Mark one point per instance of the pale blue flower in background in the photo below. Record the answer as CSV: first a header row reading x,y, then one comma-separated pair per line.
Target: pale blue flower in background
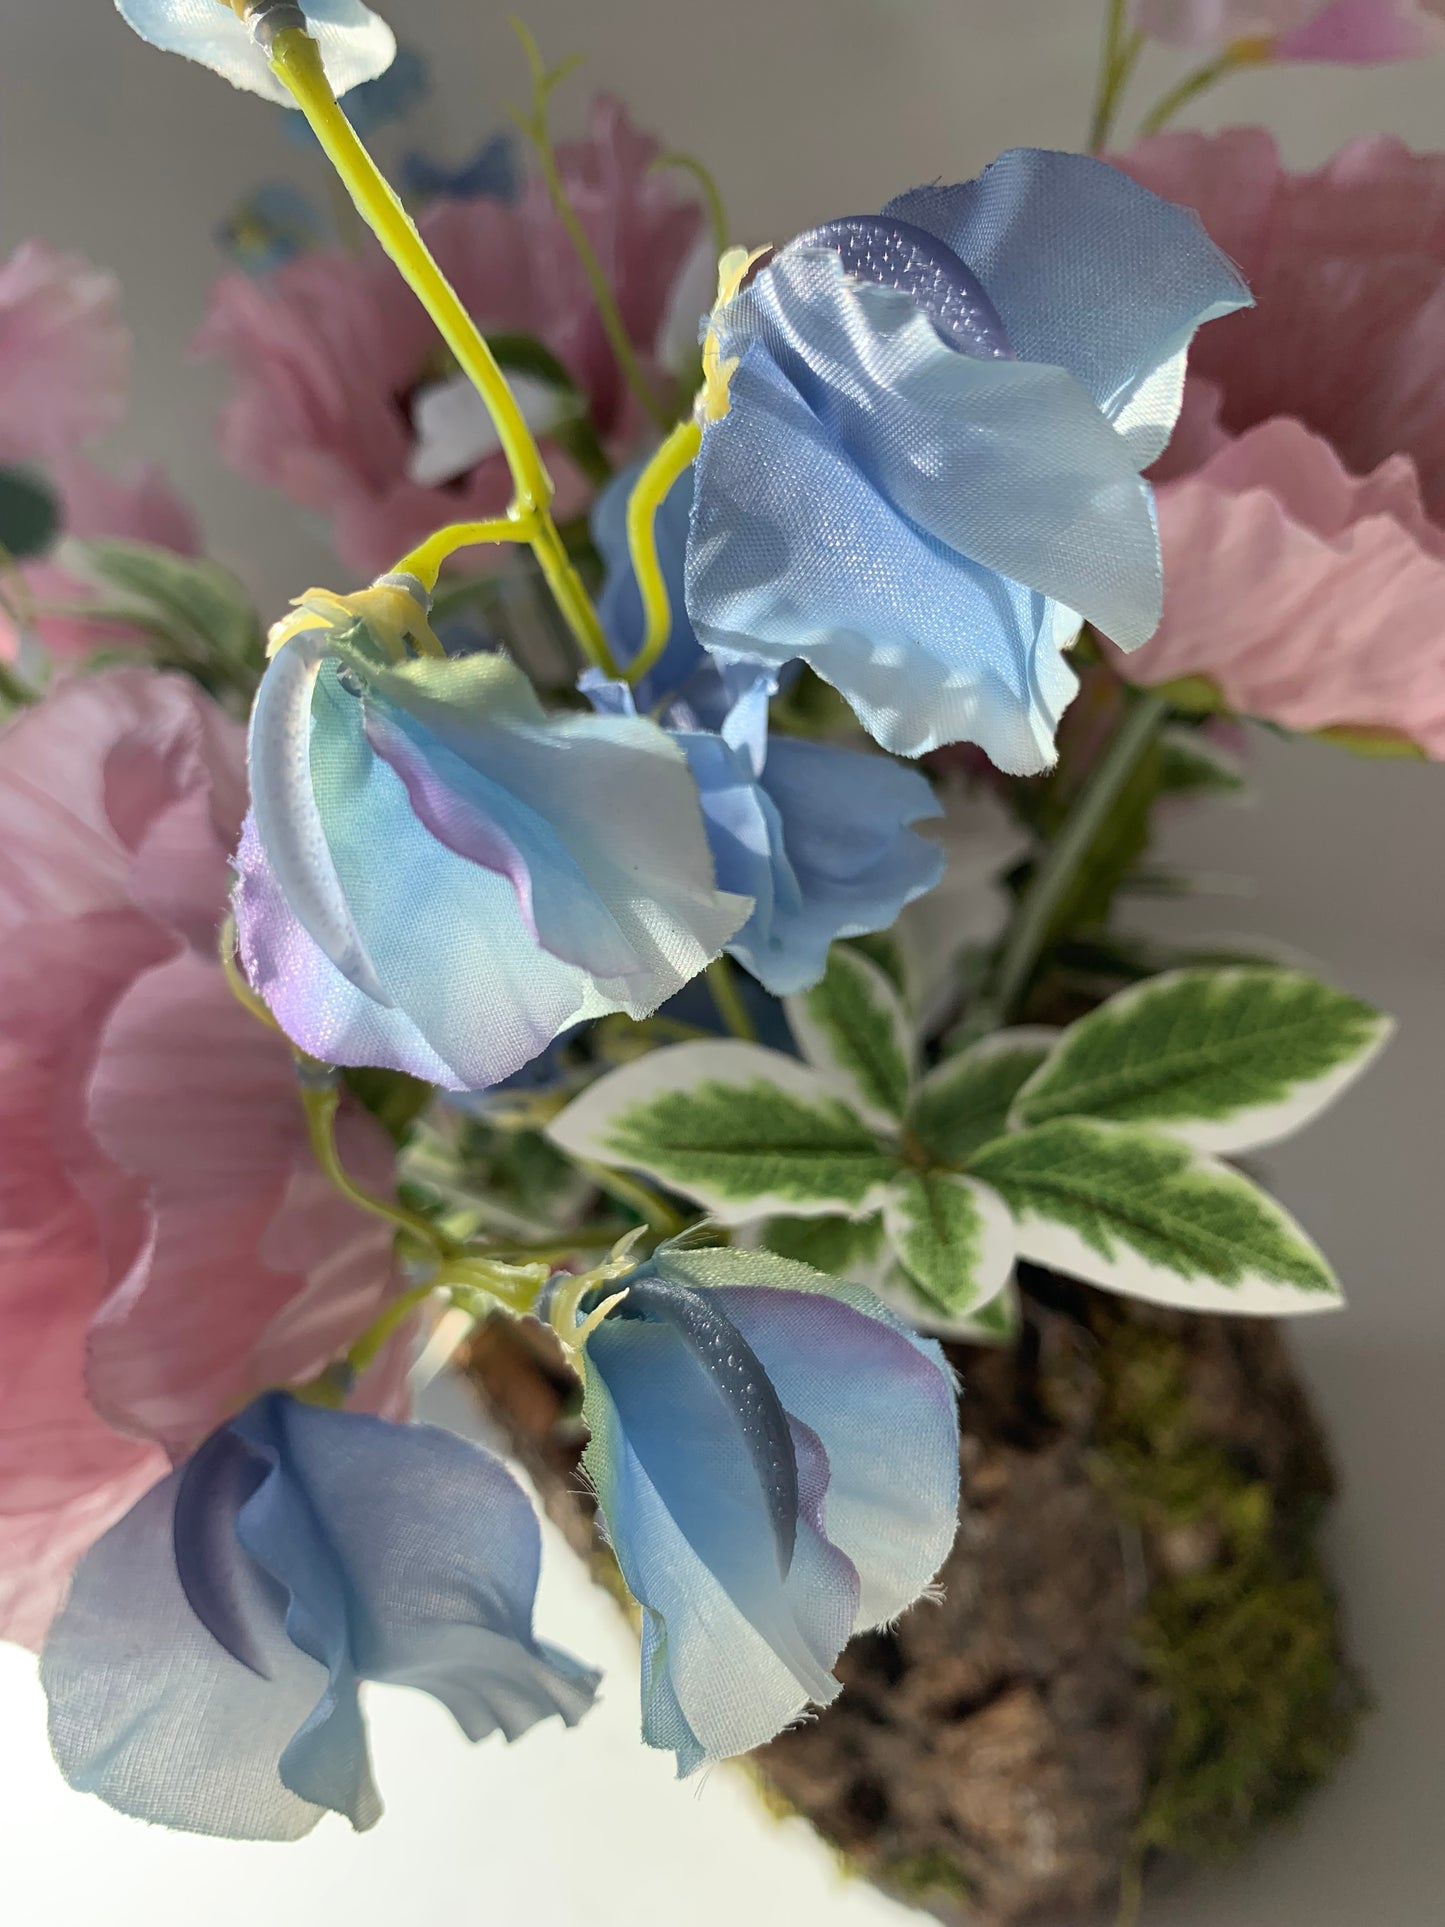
x,y
204,1672
439,877
776,1460
493,172
928,469
356,44
379,103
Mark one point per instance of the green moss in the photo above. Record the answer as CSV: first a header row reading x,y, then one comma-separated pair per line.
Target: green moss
x,y
921,1877
1240,1638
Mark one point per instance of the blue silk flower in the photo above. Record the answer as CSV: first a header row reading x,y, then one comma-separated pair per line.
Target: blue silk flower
x,y
922,444
815,834
203,1673
439,877
356,44
776,1461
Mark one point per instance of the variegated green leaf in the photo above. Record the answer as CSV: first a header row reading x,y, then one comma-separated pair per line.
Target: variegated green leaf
x,y
1139,1213
853,1028
996,1323
853,1248
747,1132
965,1100
953,1236
1225,1060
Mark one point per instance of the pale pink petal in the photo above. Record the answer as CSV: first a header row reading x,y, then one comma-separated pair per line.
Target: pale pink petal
x,y
39,1550
1362,31
64,354
1306,595
255,1271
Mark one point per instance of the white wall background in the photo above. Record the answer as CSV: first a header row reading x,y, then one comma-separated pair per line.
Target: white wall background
x,y
806,108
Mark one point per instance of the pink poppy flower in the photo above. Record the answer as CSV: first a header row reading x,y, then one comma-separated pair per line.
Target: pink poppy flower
x,y
141,507
64,354
334,359
1337,30
168,1246
1302,500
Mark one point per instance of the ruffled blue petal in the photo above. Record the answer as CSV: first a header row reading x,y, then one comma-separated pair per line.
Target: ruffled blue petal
x,y
1009,463
356,45
203,1673
846,1367
742,1645
794,553
1089,271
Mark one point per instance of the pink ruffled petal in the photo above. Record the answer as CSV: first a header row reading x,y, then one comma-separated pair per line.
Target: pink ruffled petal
x,y
1362,32
64,354
1309,597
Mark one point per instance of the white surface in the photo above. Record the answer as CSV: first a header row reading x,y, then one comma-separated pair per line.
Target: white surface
x,y
807,109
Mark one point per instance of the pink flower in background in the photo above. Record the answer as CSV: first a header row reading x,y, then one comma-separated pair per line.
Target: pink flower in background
x,y
168,1246
1342,30
331,353
142,507
64,354
1302,499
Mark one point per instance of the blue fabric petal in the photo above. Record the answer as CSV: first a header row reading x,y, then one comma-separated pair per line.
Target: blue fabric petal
x,y
346,1548
1088,270
1009,463
847,1368
743,1646
491,173
356,44
794,553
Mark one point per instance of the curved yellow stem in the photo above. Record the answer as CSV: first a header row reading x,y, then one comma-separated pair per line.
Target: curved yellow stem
x,y
296,62
426,559
654,485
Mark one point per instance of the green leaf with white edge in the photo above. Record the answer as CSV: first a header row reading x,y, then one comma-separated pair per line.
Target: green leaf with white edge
x,y
747,1132
964,1101
1139,1213
1225,1060
999,1322
953,1236
852,1027
853,1248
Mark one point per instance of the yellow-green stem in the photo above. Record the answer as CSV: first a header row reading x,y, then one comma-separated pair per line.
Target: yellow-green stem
x,y
296,61
320,1100
631,1191
1117,60
426,559
722,982
1241,53
711,194
654,484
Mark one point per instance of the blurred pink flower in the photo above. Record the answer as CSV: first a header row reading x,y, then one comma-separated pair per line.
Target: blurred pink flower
x,y
64,354
142,507
1302,499
1342,30
167,1244
331,352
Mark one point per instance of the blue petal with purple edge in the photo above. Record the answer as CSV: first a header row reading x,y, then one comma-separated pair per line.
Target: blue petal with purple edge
x,y
1088,270
929,468
203,1673
735,1641
440,878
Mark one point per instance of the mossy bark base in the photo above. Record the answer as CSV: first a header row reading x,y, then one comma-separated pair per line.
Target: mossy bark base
x,y
1135,1654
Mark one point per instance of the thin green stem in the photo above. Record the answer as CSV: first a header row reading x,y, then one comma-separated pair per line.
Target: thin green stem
x,y
640,1197
1034,917
534,126
711,194
722,983
1239,54
319,1100
1117,59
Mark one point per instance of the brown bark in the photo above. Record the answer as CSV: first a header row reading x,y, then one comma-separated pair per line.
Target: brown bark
x,y
1129,1478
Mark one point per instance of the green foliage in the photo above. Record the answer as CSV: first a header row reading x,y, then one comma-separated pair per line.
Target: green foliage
x,y
29,514
752,1140
1136,1212
842,1247
1254,1050
964,1103
1244,1645
852,1024
198,614
951,1236
394,1099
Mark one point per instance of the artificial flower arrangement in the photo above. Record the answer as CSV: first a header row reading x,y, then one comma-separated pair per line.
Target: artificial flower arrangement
x,y
669,956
